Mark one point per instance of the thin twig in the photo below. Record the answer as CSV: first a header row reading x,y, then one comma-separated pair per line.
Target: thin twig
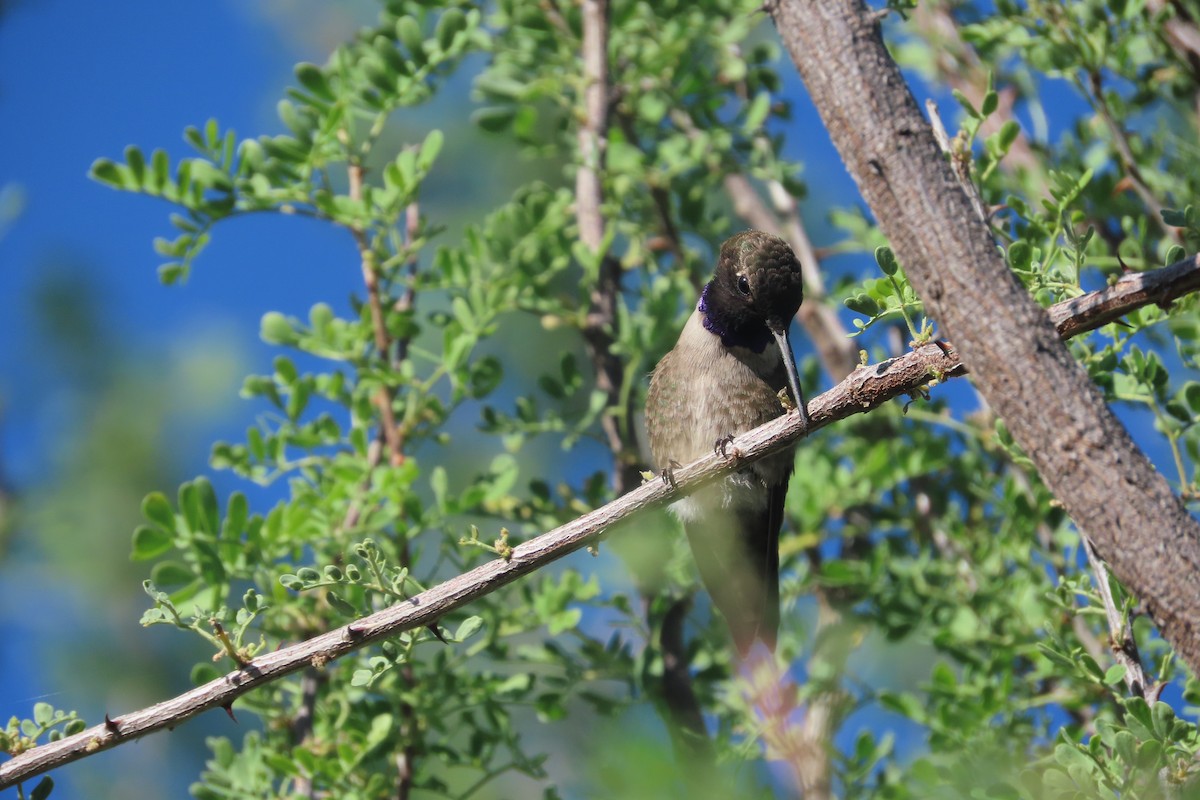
x,y
959,66
865,389
959,160
1124,646
1129,164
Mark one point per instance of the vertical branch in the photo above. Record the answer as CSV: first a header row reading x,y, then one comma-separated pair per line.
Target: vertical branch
x,y
383,397
391,431
302,724
410,727
593,133
600,329
677,691
600,332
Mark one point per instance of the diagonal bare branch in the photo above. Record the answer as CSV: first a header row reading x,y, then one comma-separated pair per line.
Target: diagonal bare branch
x,y
868,387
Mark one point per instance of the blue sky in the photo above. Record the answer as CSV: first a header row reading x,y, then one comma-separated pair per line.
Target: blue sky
x,y
81,80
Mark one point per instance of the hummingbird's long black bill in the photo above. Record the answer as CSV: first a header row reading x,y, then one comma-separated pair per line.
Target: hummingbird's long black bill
x,y
783,337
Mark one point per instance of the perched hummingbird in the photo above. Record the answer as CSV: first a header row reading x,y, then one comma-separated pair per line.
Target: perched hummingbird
x,y
724,377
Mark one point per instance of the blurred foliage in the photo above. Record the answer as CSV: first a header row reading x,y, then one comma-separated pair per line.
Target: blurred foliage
x,y
919,529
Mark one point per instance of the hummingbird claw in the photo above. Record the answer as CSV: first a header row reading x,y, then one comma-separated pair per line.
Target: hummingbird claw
x,y
668,473
721,447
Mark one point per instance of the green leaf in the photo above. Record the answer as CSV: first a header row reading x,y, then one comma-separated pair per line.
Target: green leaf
x,y
1008,134
886,260
990,101
312,78
408,31
468,628
157,509
192,136
439,481
453,20
43,713
493,119
137,164
1057,657
1125,745
966,104
564,621
757,112
863,304
237,513
275,329
171,574
429,150
379,732
1172,217
150,542
171,273
43,789
1139,710
160,166
1020,255
108,172
1114,674
1190,393
515,684
1164,720
209,509
339,605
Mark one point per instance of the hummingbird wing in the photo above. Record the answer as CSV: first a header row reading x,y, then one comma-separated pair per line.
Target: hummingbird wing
x,y
737,554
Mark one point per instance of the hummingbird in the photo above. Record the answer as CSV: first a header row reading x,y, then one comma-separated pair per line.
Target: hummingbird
x,y
725,376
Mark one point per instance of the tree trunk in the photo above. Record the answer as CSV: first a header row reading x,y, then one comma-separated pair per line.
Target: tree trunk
x,y
1017,361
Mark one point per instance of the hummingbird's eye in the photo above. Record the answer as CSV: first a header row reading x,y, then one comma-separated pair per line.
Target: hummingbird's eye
x,y
743,285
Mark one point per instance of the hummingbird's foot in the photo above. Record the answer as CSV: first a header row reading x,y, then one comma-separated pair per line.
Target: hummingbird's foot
x,y
721,448
668,473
